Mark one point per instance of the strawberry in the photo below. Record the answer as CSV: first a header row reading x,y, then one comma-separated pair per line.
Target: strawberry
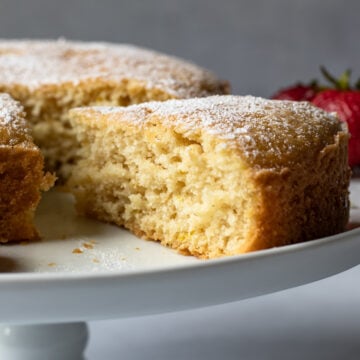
x,y
298,92
346,103
340,98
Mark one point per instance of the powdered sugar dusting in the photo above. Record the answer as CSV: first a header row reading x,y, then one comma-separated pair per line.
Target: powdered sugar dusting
x,y
268,132
34,64
9,110
13,126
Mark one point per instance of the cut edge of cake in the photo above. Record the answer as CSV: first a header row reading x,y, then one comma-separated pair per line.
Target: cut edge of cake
x,y
215,176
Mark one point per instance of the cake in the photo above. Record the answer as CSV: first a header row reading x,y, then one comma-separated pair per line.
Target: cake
x,y
214,176
21,174
50,77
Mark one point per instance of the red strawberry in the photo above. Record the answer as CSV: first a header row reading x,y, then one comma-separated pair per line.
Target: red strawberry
x,y
346,103
340,97
297,92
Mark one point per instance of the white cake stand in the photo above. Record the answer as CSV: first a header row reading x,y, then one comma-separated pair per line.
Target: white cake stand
x,y
84,270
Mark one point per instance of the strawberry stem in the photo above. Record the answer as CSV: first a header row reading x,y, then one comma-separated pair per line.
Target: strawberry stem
x,y
314,84
344,80
342,83
357,85
328,76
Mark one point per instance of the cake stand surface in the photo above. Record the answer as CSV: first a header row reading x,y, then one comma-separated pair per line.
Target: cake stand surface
x,y
85,270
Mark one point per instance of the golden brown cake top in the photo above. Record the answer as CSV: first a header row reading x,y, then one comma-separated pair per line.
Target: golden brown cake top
x,y
35,64
268,133
13,126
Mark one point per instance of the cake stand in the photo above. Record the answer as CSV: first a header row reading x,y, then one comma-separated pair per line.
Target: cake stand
x,y
84,270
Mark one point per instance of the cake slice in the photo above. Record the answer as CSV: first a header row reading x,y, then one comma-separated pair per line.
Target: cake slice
x,y
214,176
51,77
21,174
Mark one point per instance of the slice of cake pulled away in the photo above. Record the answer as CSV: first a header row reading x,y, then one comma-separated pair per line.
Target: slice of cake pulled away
x,y
214,176
21,174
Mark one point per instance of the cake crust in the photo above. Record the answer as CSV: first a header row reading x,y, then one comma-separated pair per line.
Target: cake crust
x,y
21,174
36,64
215,176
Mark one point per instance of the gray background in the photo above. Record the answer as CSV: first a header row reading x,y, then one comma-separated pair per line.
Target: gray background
x,y
259,45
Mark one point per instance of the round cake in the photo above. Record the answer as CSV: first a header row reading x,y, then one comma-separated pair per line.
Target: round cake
x,y
51,77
